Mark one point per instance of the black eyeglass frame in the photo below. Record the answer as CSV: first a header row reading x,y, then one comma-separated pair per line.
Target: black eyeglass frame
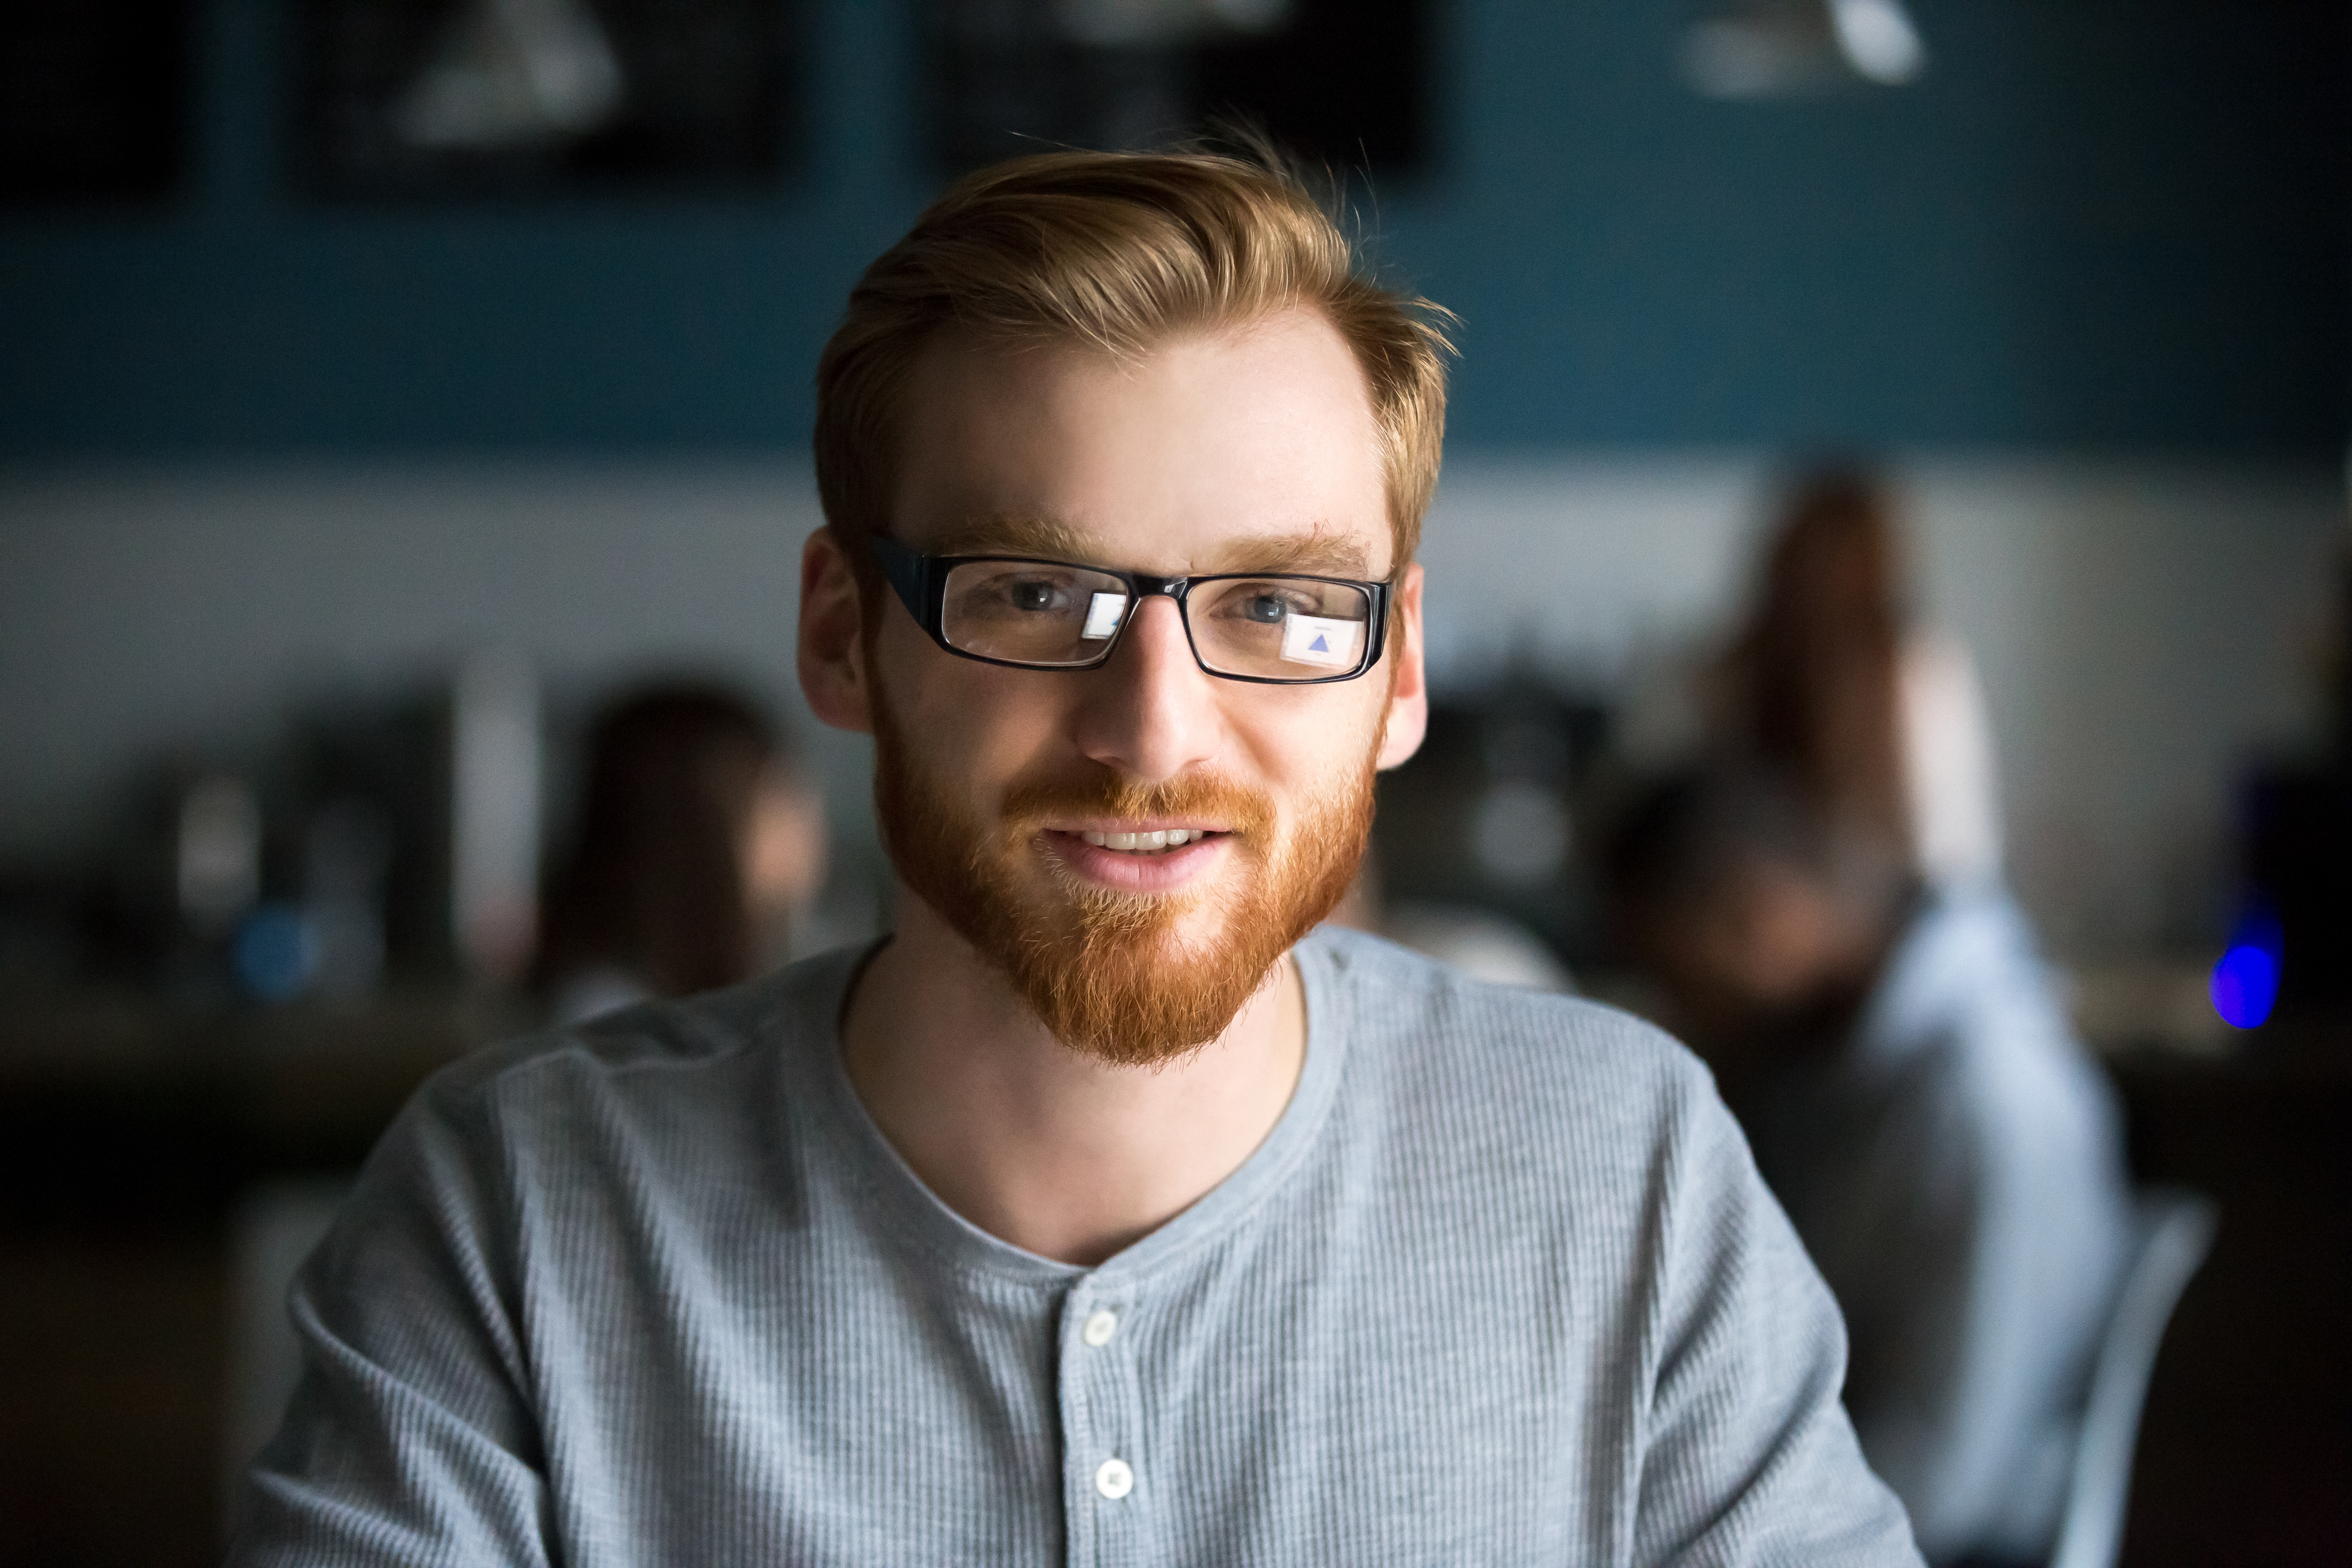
x,y
920,582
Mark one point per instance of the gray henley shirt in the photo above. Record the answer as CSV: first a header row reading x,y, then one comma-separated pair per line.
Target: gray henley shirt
x,y
1501,1287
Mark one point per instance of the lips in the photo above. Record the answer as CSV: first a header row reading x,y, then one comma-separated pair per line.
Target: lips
x,y
1101,858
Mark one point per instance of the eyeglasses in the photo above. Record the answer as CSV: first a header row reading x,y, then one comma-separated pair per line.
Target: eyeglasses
x,y
1275,628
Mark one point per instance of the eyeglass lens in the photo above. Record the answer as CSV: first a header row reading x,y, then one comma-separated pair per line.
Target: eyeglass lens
x,y
1041,612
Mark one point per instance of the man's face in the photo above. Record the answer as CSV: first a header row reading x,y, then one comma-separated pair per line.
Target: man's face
x,y
1754,948
1005,792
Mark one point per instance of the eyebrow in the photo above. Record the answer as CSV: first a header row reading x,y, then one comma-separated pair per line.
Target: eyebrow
x,y
1316,553
1012,533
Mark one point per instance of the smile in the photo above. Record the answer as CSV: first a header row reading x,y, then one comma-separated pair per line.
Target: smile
x,y
1157,841
1147,860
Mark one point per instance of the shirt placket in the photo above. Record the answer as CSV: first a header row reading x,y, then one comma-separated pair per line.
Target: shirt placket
x,y
1107,1484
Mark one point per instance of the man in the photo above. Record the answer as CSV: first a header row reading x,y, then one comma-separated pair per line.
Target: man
x,y
1916,1099
1103,1214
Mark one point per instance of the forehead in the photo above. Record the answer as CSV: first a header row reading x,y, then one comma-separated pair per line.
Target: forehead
x,y
1205,454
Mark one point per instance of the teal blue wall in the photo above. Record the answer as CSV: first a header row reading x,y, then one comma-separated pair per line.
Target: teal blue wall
x,y
2094,223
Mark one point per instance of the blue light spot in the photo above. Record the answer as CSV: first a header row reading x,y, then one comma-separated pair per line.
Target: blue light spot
x,y
2245,984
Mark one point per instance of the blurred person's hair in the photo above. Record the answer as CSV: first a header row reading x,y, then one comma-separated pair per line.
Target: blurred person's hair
x,y
1686,834
1815,673
654,881
1118,252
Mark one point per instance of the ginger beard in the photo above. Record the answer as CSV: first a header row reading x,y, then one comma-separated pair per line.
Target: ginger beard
x,y
1111,973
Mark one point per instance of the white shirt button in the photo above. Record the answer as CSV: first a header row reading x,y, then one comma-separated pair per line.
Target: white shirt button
x,y
1099,1328
1114,1480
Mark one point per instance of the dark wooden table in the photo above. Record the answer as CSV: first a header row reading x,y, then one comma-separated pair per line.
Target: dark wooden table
x,y
128,1135
2245,1452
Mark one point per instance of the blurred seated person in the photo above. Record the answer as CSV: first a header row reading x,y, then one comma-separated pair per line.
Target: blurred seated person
x,y
1834,679
1914,1097
699,848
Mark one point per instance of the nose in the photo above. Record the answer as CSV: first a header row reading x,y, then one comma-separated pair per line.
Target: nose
x,y
1151,712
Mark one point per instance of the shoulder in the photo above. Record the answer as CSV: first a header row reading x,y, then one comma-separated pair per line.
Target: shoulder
x,y
1971,1033
1559,1077
660,1060
1423,1006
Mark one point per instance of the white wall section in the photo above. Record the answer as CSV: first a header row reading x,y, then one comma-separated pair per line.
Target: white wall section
x,y
2140,626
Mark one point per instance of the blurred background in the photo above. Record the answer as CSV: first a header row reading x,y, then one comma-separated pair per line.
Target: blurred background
x,y
388,389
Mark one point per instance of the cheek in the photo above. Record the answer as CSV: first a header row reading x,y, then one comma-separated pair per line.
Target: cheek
x,y
1717,956
1722,953
1301,738
973,726
1309,761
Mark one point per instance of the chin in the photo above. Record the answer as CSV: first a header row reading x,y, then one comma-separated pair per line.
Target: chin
x,y
1177,926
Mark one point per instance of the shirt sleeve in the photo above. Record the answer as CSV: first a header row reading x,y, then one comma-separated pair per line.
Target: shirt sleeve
x,y
1748,1456
410,1438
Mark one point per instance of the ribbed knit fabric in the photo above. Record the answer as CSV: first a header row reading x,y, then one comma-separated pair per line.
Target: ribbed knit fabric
x,y
1501,1287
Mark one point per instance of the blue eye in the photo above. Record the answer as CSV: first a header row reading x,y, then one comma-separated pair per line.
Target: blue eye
x,y
1265,608
1033,596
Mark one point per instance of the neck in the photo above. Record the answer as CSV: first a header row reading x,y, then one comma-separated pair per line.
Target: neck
x,y
1053,1150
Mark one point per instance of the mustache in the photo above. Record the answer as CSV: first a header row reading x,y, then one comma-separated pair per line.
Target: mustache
x,y
1099,791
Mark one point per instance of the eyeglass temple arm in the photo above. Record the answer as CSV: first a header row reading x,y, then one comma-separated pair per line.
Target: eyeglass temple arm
x,y
907,572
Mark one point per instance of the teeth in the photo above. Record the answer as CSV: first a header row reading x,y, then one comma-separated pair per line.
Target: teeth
x,y
1157,839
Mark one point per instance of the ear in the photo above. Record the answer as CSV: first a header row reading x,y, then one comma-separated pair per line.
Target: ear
x,y
1408,716
834,676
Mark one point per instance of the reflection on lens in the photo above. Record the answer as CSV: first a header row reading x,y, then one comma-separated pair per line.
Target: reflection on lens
x,y
1032,612
1283,628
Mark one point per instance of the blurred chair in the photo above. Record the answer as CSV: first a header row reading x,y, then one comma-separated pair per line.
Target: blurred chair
x,y
2175,1231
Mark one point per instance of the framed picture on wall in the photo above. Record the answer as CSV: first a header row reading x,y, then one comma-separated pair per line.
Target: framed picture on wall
x,y
432,98
93,99
1344,83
